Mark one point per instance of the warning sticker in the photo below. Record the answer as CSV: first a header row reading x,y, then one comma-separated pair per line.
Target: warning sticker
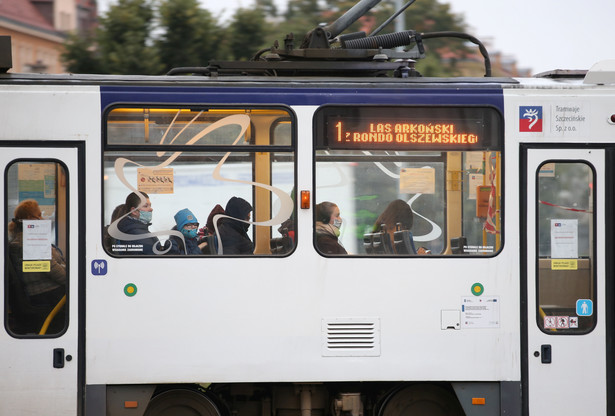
x,y
36,266
562,322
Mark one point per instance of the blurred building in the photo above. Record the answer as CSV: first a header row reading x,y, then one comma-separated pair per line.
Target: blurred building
x,y
38,29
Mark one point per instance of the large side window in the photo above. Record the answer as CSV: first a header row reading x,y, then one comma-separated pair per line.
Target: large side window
x,y
199,181
36,248
566,266
407,181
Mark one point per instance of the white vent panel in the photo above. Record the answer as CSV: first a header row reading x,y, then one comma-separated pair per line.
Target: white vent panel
x,y
351,337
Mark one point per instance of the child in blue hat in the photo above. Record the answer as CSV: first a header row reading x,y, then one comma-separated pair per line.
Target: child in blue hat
x,y
186,222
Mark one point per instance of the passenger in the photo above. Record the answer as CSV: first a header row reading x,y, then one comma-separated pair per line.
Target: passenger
x,y
42,288
186,222
234,234
209,226
397,214
328,223
108,241
137,223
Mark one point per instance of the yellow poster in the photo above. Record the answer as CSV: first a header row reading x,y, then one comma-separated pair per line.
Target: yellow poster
x,y
36,266
564,264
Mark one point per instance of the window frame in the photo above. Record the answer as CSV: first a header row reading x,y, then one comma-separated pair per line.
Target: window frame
x,y
250,149
592,252
496,127
66,252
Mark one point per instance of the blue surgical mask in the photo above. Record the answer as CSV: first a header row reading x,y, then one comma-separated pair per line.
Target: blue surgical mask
x,y
145,217
190,233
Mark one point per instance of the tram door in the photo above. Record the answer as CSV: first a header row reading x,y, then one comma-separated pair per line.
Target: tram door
x,y
40,260
565,231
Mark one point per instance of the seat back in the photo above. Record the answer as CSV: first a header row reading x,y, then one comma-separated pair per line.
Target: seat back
x,y
457,245
212,244
25,318
404,242
281,245
378,243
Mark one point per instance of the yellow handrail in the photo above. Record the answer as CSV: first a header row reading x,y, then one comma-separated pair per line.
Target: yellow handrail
x,y
52,315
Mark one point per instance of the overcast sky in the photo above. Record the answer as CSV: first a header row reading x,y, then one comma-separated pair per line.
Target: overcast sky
x,y
540,34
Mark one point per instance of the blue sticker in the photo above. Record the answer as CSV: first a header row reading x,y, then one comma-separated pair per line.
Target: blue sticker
x,y
99,267
585,307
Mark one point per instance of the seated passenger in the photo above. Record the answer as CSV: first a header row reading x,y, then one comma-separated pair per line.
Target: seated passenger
x,y
137,222
44,289
210,229
328,223
396,216
186,222
109,241
234,234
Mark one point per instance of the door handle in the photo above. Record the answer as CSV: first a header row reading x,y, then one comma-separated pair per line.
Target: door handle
x,y
545,354
58,358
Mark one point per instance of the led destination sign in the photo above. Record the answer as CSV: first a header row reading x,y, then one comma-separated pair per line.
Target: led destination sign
x,y
409,128
402,133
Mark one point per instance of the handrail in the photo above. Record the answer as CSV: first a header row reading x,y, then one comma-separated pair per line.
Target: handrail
x,y
52,315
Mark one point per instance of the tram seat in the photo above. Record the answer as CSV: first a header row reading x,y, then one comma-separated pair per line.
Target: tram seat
x,y
404,242
378,243
24,318
212,244
281,245
457,245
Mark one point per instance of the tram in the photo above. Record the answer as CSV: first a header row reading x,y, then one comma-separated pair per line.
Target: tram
x,y
496,298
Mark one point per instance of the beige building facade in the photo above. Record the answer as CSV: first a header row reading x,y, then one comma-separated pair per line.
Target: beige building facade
x,y
38,29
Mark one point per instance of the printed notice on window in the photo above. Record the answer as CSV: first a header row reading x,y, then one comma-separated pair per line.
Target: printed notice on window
x,y
417,181
155,181
37,239
564,239
480,312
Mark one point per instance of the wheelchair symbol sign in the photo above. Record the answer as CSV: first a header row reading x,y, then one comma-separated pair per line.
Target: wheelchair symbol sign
x,y
585,307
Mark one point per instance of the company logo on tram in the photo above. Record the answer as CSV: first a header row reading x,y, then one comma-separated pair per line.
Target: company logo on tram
x,y
530,119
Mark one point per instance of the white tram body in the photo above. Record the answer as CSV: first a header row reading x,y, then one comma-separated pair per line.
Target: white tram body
x,y
465,329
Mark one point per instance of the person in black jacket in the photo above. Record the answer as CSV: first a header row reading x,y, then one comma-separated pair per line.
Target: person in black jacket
x,y
137,223
233,233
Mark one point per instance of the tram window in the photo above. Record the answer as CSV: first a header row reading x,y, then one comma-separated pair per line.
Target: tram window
x,y
197,159
566,275
411,180
36,276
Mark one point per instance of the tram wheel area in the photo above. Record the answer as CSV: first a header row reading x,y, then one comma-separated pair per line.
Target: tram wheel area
x,y
287,399
421,399
181,402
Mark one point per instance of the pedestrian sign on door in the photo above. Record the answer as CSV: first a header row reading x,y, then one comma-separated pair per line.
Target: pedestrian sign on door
x,y
585,307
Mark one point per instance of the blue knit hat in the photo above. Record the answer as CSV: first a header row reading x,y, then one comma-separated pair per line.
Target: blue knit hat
x,y
183,217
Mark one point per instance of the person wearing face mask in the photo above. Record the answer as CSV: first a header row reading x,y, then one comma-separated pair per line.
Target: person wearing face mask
x,y
137,222
234,234
328,224
186,222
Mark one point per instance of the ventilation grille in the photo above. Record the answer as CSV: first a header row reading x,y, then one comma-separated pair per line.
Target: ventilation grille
x,y
351,337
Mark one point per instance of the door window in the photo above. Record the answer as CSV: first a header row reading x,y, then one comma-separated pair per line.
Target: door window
x,y
36,246
566,264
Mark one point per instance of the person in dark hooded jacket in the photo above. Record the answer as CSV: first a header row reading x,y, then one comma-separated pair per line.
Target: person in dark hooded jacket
x,y
234,234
